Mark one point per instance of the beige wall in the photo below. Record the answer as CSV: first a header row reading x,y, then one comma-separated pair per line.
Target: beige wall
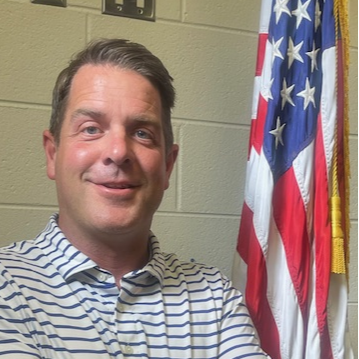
x,y
209,47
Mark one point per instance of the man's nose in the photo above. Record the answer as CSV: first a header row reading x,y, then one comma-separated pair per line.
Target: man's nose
x,y
118,149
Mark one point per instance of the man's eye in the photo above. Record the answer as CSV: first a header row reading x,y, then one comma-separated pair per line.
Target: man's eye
x,y
143,134
91,130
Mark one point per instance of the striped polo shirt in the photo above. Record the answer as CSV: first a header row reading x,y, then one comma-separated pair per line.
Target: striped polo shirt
x,y
55,302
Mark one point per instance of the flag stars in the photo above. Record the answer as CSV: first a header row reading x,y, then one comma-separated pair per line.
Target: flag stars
x,y
293,52
301,12
313,56
281,7
266,90
277,133
317,15
276,52
307,94
285,93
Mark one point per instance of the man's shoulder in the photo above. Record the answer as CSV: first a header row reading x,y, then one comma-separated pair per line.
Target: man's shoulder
x,y
21,257
204,286
175,264
20,249
194,273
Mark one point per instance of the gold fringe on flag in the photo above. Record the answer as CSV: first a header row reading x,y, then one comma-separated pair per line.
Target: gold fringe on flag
x,y
338,264
340,240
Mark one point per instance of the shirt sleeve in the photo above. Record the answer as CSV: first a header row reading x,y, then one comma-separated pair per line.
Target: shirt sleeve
x,y
16,341
238,337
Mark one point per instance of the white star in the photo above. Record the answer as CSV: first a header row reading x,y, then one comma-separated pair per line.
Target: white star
x,y
313,56
279,8
276,52
293,52
307,94
266,90
277,133
317,13
285,93
301,12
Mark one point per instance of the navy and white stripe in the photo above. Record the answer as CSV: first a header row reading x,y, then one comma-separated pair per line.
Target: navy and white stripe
x,y
57,303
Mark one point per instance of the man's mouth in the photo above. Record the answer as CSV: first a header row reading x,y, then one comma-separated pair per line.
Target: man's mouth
x,y
117,186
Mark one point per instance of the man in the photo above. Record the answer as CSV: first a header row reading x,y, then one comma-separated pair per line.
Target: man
x,y
94,283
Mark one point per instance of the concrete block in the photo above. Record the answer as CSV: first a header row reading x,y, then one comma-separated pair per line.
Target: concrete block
x,y
91,4
210,240
17,224
22,161
353,183
353,264
234,14
353,327
213,166
168,9
353,91
36,43
353,23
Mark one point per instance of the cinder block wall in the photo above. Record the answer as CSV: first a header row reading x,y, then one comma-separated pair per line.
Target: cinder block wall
x,y
210,49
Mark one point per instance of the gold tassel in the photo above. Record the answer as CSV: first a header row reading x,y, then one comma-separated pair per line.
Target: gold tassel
x,y
340,240
338,245
344,27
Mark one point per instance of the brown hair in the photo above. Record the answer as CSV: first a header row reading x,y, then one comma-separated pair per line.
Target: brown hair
x,y
126,55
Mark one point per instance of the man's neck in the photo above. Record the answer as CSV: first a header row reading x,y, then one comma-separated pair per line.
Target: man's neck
x,y
118,260
118,253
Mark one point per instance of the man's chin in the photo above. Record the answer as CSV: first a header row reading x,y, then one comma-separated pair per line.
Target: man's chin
x,y
119,226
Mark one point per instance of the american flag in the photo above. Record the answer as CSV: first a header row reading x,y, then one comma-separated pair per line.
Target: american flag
x,y
283,258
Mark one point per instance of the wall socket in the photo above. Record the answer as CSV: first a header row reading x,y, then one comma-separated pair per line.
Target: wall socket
x,y
137,9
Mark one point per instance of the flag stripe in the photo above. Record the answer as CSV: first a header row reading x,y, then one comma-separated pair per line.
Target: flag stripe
x,y
287,201
254,258
322,232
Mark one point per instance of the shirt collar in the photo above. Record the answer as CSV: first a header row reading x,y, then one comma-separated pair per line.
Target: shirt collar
x,y
157,264
68,260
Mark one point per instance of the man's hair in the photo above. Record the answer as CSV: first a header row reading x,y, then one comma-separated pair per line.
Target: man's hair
x,y
125,55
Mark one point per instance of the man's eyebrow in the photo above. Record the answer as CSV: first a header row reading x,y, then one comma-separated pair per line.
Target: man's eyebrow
x,y
145,119
138,120
86,112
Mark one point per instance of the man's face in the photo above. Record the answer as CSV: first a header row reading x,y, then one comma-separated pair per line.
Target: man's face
x,y
110,166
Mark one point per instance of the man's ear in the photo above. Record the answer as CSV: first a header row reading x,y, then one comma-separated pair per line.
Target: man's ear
x,y
170,162
50,149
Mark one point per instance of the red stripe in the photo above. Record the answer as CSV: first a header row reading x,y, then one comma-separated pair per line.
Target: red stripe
x,y
256,296
257,125
262,41
257,128
291,219
322,235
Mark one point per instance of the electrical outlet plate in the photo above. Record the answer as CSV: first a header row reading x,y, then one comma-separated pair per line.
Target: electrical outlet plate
x,y
61,3
137,9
